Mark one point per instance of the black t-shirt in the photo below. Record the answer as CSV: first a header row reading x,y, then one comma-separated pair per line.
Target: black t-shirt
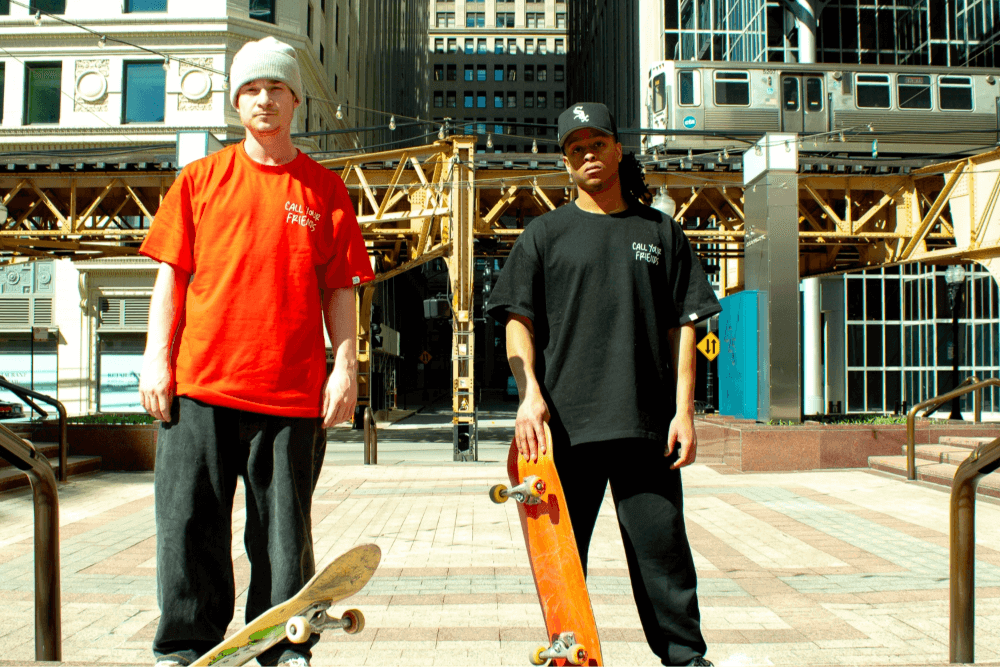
x,y
602,291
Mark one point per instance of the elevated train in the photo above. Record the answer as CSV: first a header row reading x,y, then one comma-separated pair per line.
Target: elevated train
x,y
857,110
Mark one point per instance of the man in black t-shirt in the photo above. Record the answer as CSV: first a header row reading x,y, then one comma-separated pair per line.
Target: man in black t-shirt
x,y
600,298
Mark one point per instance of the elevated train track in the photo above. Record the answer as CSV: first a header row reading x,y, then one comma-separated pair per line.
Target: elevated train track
x,y
446,201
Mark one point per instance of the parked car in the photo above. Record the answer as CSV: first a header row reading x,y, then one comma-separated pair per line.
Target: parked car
x,y
11,410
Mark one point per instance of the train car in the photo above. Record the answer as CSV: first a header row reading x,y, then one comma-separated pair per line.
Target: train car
x,y
836,108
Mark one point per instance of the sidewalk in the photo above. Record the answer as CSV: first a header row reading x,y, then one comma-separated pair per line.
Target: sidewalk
x,y
819,568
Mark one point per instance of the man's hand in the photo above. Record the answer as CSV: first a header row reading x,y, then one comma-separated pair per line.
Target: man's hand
x,y
682,435
529,431
156,386
339,397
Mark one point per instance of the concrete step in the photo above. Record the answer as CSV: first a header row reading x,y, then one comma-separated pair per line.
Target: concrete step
x,y
967,442
941,474
12,478
939,453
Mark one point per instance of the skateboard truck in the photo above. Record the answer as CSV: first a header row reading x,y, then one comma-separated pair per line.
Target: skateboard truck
x,y
299,628
564,646
529,492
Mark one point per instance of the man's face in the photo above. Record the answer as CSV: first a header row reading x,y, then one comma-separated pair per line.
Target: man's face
x,y
591,158
266,107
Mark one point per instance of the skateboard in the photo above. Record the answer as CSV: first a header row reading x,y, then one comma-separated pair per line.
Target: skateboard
x,y
555,563
305,613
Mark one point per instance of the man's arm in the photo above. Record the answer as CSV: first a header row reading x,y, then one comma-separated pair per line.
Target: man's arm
x,y
682,349
341,392
166,306
532,412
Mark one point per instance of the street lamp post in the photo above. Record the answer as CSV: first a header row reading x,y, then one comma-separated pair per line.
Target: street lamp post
x,y
954,275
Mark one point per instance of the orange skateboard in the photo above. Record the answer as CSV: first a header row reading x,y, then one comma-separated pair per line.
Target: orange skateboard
x,y
555,563
304,614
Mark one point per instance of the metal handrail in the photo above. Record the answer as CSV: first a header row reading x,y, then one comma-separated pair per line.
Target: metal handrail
x,y
968,385
371,438
962,552
48,620
26,395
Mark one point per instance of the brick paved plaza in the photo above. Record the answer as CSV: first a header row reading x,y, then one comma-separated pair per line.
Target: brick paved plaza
x,y
820,568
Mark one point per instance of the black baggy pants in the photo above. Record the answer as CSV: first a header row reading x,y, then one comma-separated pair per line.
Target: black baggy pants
x,y
199,457
649,503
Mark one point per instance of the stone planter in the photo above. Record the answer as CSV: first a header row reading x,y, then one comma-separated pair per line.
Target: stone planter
x,y
752,447
120,446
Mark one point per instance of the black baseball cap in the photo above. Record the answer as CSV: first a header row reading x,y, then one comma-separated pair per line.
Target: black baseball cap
x,y
592,115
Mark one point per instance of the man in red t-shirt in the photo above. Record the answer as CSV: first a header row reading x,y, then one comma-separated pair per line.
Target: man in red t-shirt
x,y
258,247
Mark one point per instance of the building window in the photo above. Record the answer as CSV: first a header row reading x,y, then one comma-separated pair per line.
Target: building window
x,y
498,72
560,46
481,100
534,19
309,20
560,20
955,93
4,7
144,90
145,6
543,46
42,95
873,91
512,100
336,25
529,100
732,88
529,47
498,100
452,45
452,73
263,10
512,46
445,20
48,6
529,123
560,73
498,46
543,101
470,46
438,99
322,54
543,73
469,71
451,99
470,100
512,72
439,45
475,19
3,81
560,100
336,83
481,73
481,45
529,72
505,19
439,72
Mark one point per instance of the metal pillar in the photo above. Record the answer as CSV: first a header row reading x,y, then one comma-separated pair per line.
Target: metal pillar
x,y
812,344
460,269
771,261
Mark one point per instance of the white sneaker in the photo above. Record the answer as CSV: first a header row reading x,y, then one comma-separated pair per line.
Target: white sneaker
x,y
294,662
169,662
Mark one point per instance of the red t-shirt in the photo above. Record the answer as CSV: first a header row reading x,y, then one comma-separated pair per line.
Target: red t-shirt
x,y
260,242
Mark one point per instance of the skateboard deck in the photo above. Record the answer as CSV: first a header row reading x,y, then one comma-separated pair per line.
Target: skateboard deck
x,y
555,562
305,613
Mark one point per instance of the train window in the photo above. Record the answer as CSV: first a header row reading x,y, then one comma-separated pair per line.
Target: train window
x,y
873,91
914,91
689,88
955,93
659,92
732,89
814,94
790,93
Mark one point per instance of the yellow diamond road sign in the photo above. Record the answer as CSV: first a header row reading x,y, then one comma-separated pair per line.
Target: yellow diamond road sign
x,y
709,346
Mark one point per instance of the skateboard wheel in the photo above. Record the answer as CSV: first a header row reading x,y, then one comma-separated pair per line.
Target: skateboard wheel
x,y
577,654
357,621
536,655
298,629
498,494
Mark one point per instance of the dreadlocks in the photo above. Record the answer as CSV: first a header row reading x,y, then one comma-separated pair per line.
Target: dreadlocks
x,y
630,175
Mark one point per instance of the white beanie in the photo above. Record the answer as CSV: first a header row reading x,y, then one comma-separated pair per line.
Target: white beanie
x,y
266,59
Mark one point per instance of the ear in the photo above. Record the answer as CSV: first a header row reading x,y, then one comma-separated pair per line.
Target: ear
x,y
618,149
565,161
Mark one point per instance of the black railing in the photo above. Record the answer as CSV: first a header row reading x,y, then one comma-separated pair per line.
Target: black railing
x,y
48,620
962,549
371,438
26,395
